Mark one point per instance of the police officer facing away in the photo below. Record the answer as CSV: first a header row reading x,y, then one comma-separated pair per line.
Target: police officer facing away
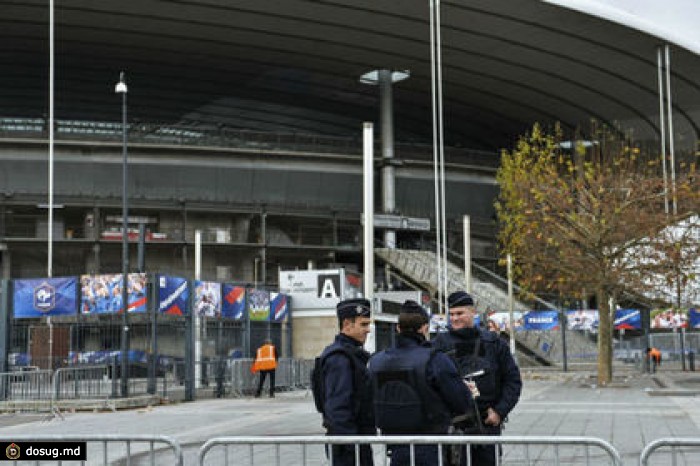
x,y
416,389
347,394
488,358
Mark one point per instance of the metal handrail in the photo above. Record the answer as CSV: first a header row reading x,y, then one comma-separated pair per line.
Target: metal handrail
x,y
210,135
650,448
440,440
105,439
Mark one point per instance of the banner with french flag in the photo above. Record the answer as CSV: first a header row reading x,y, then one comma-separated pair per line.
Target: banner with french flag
x,y
102,294
234,304
628,319
173,295
279,306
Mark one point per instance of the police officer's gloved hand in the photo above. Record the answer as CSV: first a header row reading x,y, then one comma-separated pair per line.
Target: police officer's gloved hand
x,y
466,421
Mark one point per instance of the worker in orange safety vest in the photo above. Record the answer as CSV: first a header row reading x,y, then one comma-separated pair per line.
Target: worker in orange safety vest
x,y
265,363
654,358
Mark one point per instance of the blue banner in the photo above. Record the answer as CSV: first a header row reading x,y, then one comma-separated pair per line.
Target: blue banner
x,y
628,319
102,294
207,299
233,305
541,320
45,297
279,306
173,296
694,317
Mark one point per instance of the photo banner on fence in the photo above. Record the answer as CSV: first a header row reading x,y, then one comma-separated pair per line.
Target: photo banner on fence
x,y
45,297
258,304
541,320
501,321
669,318
628,319
207,299
102,294
173,295
582,319
279,306
233,305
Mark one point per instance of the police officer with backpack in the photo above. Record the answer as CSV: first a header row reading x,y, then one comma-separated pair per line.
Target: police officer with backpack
x,y
341,386
485,359
417,391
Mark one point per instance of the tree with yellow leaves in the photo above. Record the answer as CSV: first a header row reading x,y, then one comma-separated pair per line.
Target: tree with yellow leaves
x,y
575,220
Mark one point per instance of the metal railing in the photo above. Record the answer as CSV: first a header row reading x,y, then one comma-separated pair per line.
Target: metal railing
x,y
290,374
203,135
133,446
76,382
298,449
26,385
674,444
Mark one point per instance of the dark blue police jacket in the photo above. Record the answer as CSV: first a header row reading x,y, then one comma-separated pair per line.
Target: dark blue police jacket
x,y
446,395
501,384
348,394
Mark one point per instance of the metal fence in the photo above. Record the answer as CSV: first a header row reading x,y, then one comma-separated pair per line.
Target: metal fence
x,y
680,453
112,449
45,390
290,374
83,382
310,450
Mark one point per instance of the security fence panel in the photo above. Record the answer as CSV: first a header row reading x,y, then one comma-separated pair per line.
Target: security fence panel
x,y
82,382
303,372
243,382
674,451
170,359
311,450
101,450
28,390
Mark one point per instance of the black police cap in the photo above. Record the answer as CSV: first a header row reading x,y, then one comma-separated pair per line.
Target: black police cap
x,y
459,299
354,308
412,307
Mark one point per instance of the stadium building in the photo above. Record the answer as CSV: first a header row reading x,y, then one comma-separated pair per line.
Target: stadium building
x,y
245,121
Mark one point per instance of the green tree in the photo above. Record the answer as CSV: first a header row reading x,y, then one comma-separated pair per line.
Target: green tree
x,y
574,220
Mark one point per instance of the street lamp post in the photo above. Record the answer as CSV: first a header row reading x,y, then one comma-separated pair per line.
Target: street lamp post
x,y
120,88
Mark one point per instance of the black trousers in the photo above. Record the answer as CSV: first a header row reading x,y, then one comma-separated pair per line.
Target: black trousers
x,y
344,455
263,375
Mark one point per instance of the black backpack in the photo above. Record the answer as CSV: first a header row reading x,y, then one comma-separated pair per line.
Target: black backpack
x,y
398,405
403,401
318,388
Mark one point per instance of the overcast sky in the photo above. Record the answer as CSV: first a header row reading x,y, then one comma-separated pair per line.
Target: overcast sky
x,y
675,20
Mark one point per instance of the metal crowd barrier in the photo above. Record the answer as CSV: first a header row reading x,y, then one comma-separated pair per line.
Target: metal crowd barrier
x,y
290,374
304,367
296,449
26,385
133,448
674,444
77,382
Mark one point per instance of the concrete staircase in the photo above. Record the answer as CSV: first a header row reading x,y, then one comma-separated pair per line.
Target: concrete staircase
x,y
490,293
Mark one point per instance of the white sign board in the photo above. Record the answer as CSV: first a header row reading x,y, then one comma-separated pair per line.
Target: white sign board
x,y
397,222
313,289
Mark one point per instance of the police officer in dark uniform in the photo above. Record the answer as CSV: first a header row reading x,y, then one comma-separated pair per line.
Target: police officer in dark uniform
x,y
347,400
485,355
417,391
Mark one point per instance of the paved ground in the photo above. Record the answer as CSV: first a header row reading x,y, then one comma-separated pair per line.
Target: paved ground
x,y
627,415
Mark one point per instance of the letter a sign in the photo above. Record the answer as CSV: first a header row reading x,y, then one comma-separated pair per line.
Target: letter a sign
x,y
329,286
